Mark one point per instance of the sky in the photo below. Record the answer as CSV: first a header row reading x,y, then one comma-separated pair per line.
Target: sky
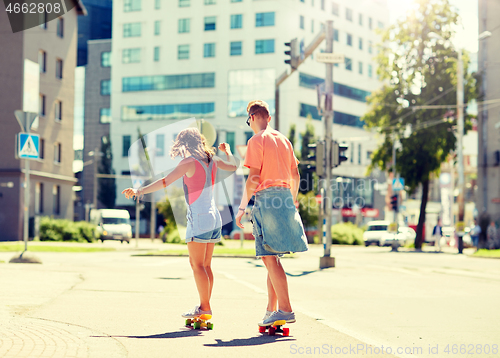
x,y
467,32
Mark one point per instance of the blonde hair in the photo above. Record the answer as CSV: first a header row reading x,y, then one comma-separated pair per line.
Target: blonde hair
x,y
259,107
191,141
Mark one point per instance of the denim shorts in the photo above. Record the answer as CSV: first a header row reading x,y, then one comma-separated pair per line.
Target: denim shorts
x,y
209,237
204,227
275,220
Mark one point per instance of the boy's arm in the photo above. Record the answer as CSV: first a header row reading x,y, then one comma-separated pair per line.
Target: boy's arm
x,y
250,186
295,182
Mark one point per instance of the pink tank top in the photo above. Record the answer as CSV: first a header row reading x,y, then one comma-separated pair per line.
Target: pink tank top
x,y
195,184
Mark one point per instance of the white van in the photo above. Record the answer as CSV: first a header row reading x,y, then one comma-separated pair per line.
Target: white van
x,y
112,224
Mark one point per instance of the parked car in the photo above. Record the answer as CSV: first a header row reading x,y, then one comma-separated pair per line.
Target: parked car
x,y
112,224
375,232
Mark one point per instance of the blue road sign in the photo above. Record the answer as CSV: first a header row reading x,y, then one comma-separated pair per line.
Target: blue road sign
x,y
29,146
398,184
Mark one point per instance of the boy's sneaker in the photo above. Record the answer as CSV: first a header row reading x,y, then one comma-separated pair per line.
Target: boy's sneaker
x,y
195,312
279,315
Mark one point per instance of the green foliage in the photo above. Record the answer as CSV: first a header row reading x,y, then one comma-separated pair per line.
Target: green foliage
x,y
308,209
107,186
418,70
291,135
347,234
65,230
307,177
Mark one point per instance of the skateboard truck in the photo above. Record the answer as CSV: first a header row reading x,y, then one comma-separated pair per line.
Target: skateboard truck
x,y
200,322
276,328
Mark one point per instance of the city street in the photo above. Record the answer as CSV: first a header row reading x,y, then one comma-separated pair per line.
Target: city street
x,y
115,304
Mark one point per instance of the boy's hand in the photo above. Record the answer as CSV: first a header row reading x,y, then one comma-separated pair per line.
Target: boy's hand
x,y
225,148
238,218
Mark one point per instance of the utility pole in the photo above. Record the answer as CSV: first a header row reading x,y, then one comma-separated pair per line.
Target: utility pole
x,y
460,129
96,150
327,260
26,191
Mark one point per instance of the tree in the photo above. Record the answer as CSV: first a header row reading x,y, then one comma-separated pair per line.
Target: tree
x,y
107,186
291,135
306,175
418,68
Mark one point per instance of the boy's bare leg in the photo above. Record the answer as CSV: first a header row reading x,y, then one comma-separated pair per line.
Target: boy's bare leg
x,y
271,295
279,281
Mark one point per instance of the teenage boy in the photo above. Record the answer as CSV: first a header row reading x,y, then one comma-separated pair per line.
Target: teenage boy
x,y
274,180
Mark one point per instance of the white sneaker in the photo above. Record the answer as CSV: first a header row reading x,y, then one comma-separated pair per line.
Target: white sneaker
x,y
279,315
266,316
195,312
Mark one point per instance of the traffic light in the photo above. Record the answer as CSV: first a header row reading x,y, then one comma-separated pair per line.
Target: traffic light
x,y
338,153
316,159
394,202
292,52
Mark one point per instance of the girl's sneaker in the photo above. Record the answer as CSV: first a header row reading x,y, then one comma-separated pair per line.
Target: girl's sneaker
x,y
195,312
266,316
279,315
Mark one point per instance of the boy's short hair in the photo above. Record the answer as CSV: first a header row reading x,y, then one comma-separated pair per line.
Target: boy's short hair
x,y
259,108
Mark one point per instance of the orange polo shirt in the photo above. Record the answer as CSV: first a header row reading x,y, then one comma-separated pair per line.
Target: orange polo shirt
x,y
272,153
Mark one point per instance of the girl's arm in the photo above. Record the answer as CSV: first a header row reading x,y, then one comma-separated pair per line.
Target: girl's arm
x,y
230,163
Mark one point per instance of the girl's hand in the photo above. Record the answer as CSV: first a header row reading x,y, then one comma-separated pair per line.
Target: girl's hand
x,y
225,148
133,193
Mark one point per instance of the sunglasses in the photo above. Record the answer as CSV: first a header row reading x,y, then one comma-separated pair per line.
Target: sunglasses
x,y
248,119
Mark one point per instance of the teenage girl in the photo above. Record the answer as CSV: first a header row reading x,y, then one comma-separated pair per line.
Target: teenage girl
x,y
198,170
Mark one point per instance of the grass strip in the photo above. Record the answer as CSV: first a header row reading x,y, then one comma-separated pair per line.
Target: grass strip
x,y
487,253
8,247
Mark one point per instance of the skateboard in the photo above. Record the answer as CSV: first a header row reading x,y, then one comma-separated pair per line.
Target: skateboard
x,y
200,322
276,328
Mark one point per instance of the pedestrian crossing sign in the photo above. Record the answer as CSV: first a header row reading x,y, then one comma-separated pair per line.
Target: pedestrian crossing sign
x,y
398,184
29,146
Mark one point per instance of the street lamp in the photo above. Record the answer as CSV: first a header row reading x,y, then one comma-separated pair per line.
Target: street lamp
x,y
94,153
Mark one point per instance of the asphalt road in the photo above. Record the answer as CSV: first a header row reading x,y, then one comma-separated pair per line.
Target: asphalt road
x,y
374,302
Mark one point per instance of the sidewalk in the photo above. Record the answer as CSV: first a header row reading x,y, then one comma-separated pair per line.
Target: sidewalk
x,y
113,305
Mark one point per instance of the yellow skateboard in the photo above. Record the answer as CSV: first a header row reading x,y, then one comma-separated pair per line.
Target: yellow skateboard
x,y
276,328
200,322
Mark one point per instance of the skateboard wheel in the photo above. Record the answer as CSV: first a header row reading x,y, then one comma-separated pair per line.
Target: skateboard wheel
x,y
197,325
272,331
188,322
262,329
286,332
210,326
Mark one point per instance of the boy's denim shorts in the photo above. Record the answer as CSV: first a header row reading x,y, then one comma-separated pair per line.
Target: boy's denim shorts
x,y
272,199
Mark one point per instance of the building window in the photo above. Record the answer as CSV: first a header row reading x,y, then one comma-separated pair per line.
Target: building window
x,y
235,48
157,54
39,198
184,3
370,23
230,139
43,20
58,110
301,22
380,25
210,24
370,71
106,88
41,151
171,82
236,21
42,105
209,50
56,194
349,39
160,145
163,112
335,9
360,67
243,85
105,59
248,135
131,55
360,19
359,153
126,141
236,0
370,50
351,157
210,2
131,5
348,14
184,26
264,19
360,43
60,27
42,61
157,27
59,68
312,26
323,5
157,4
183,52
348,64
336,35
132,29
264,46
57,152
105,115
